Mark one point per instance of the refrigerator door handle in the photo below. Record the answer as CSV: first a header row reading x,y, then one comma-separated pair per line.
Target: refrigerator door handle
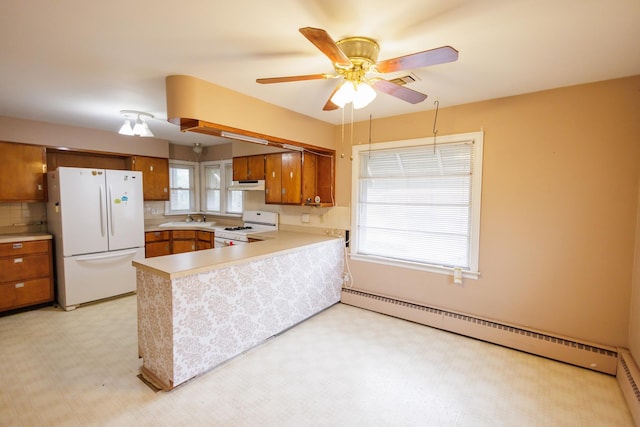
x,y
101,211
104,255
113,230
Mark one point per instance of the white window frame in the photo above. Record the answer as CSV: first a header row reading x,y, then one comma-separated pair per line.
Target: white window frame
x,y
194,190
224,188
477,138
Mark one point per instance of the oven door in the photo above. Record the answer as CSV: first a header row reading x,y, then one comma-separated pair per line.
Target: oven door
x,y
220,242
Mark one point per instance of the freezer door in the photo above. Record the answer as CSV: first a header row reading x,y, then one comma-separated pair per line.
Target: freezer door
x,y
125,209
83,210
97,276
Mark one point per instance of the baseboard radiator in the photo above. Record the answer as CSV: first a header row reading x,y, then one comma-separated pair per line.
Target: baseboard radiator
x,y
588,355
629,380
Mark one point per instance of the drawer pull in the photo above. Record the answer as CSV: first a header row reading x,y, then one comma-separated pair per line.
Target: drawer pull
x,y
20,285
17,260
17,246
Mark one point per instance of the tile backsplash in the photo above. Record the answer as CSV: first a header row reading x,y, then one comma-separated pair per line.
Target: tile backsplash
x,y
22,217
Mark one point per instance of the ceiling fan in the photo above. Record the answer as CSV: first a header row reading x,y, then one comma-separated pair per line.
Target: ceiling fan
x,y
355,58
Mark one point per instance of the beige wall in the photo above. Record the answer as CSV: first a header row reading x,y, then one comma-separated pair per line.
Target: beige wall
x,y
634,318
54,135
559,210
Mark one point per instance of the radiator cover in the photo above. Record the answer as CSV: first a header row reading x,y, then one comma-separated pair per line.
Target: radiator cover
x,y
587,355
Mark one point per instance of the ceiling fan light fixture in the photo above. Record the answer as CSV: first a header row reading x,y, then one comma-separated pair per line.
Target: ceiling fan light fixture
x,y
363,96
344,95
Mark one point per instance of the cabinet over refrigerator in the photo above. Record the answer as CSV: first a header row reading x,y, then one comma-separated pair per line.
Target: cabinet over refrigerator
x,y
97,219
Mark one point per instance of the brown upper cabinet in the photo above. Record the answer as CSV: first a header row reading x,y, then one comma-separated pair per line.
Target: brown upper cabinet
x,y
155,176
22,171
295,178
248,168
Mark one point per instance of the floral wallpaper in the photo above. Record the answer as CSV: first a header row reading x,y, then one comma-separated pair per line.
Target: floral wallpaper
x,y
191,324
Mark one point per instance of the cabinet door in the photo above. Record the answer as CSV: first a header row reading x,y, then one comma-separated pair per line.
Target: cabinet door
x,y
273,172
291,178
309,190
240,168
255,167
155,177
23,166
205,240
180,246
153,249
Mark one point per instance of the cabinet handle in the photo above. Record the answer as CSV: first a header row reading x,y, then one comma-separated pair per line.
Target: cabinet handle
x,y
17,246
273,174
291,174
17,260
20,285
151,168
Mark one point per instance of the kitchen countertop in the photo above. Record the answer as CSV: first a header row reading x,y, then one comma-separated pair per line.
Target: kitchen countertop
x,y
191,226
24,237
272,242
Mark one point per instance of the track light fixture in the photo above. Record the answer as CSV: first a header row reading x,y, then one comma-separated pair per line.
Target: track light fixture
x,y
140,126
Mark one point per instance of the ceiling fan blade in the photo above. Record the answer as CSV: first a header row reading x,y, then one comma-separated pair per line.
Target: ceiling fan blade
x,y
323,41
294,78
435,56
330,106
398,91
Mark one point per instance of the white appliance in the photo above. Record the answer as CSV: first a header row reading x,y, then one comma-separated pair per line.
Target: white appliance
x,y
97,219
252,222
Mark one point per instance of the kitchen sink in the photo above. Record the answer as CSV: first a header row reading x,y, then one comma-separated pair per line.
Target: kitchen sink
x,y
185,224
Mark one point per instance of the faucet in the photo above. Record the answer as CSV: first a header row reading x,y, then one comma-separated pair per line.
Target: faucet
x,y
204,218
189,218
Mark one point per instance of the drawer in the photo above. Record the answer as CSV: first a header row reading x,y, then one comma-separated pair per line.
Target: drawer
x,y
205,235
22,294
22,248
22,268
184,234
156,236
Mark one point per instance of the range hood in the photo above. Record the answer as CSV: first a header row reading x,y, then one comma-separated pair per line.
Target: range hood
x,y
247,185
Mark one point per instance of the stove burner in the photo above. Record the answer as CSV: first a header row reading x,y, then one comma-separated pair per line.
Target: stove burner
x,y
238,228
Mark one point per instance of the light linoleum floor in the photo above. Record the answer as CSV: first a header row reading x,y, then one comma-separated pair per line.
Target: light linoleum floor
x,y
343,367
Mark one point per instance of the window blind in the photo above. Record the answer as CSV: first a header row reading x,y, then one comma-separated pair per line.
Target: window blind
x,y
414,204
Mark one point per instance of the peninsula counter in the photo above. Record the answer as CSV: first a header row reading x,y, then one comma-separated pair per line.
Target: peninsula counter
x,y
199,309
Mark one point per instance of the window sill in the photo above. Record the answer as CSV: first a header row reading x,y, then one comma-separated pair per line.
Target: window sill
x,y
439,269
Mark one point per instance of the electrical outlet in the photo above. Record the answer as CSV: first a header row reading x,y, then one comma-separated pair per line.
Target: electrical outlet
x,y
305,218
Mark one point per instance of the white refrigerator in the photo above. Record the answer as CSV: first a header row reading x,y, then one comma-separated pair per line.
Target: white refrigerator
x,y
97,219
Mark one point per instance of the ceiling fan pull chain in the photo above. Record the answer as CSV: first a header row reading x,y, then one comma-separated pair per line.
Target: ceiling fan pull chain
x,y
370,116
435,120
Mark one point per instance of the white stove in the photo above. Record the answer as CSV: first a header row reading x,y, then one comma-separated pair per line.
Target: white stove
x,y
253,222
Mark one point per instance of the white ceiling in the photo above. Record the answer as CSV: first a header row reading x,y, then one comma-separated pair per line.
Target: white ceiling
x,y
80,62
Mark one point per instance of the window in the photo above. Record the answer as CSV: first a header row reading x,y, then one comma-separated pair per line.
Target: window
x,y
216,197
182,186
418,206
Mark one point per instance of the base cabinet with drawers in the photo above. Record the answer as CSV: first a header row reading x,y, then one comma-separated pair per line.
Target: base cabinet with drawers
x,y
26,274
167,242
157,243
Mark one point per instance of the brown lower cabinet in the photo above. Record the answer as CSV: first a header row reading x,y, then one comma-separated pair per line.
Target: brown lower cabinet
x,y
26,274
183,241
158,243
